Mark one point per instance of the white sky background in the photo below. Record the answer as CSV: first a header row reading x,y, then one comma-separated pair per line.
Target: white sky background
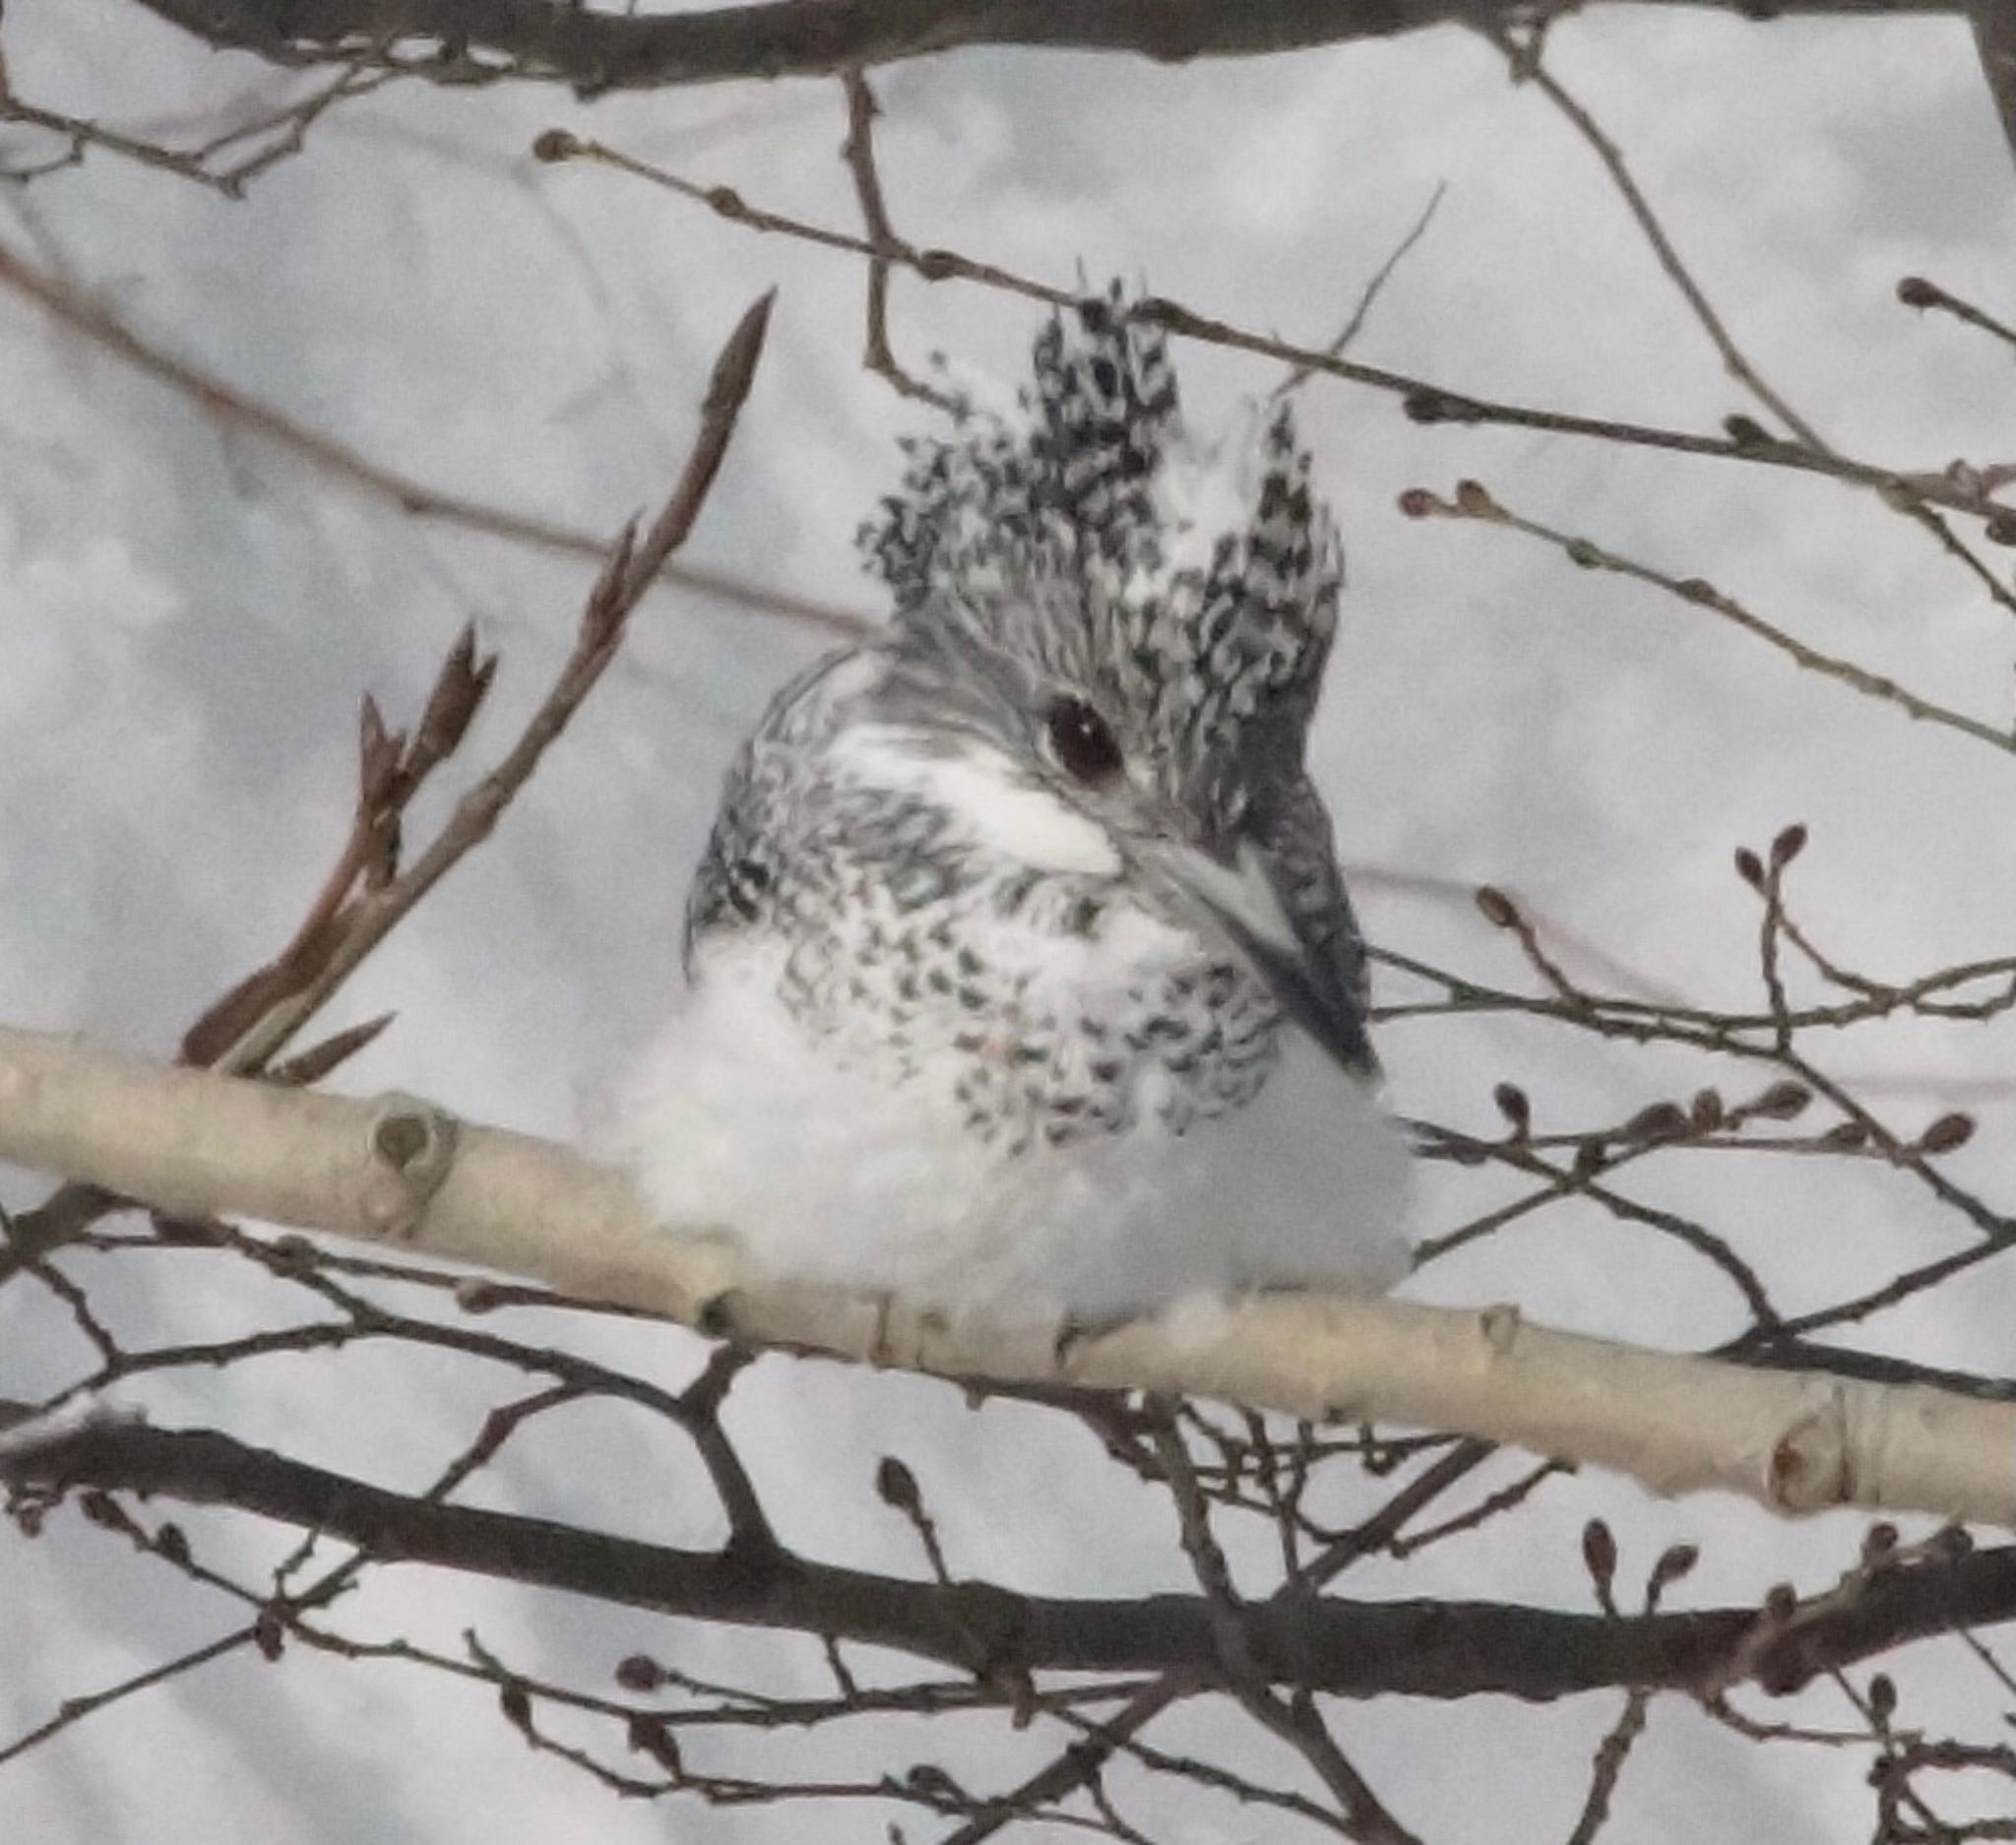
x,y
187,619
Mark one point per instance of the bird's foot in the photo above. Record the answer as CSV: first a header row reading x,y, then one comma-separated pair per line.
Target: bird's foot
x,y
881,1350
1076,1330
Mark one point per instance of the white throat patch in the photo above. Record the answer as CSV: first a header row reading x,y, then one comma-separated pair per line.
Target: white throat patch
x,y
993,804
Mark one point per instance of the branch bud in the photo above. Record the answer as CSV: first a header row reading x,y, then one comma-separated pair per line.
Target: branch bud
x,y
1947,1134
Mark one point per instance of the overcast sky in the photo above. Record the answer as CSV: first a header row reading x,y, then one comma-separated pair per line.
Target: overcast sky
x,y
187,619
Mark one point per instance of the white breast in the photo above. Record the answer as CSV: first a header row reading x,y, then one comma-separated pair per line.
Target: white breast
x,y
738,1120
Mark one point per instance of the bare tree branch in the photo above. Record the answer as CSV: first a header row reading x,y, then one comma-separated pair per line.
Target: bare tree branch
x,y
631,570
1994,38
221,399
594,49
199,1144
1964,488
1433,1649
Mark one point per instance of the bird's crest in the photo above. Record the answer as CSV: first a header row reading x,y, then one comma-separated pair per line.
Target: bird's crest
x,y
1193,593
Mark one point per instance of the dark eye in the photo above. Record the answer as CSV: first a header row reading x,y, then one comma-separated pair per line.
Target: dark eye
x,y
1083,741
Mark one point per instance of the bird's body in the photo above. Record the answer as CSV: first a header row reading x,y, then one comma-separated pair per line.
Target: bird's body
x,y
995,958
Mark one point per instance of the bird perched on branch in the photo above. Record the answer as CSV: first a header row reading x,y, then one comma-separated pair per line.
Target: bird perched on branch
x,y
1018,973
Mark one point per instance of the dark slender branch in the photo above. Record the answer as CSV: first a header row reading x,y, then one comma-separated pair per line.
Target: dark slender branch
x,y
1523,55
639,558
218,398
858,151
1964,491
597,49
1078,1766
1360,1649
1995,38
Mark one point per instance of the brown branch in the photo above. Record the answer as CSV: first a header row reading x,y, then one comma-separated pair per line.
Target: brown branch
x,y
1293,1718
1523,56
1917,291
1076,1767
597,49
635,565
859,150
273,137
1471,502
73,1710
1353,1648
1521,53
218,399
1610,1756
1962,489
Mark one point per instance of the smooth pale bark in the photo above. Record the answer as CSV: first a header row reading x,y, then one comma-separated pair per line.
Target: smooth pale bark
x,y
400,1170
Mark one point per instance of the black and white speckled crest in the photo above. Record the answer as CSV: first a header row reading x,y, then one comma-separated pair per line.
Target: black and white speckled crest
x,y
1087,544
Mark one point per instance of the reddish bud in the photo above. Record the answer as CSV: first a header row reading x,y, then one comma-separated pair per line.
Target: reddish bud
x,y
1782,1101
1675,1562
378,752
639,1672
1947,1134
269,1633
1513,1106
649,1735
102,1509
458,694
898,1485
1599,1555
1788,846
1497,907
1660,1120
316,1062
1949,1544
1749,867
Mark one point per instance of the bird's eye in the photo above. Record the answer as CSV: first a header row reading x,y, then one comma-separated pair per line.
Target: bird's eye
x,y
1083,741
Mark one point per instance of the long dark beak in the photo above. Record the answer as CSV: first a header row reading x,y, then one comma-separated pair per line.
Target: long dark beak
x,y
1239,893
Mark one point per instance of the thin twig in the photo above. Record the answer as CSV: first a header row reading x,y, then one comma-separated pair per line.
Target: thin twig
x,y
225,401
1371,292
1917,291
630,571
1522,55
1424,402
859,150
1472,502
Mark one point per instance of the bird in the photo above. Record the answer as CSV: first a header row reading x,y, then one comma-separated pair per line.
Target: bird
x,y
1019,974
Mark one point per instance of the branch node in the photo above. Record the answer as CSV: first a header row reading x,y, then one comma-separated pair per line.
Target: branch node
x,y
411,1145
1807,1467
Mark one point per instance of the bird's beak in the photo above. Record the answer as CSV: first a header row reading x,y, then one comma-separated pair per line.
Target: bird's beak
x,y
1239,893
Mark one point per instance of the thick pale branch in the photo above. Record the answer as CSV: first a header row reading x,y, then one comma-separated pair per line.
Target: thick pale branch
x,y
1359,1649
196,1143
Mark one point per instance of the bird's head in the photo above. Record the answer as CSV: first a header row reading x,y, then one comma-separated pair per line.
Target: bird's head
x,y
1128,634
